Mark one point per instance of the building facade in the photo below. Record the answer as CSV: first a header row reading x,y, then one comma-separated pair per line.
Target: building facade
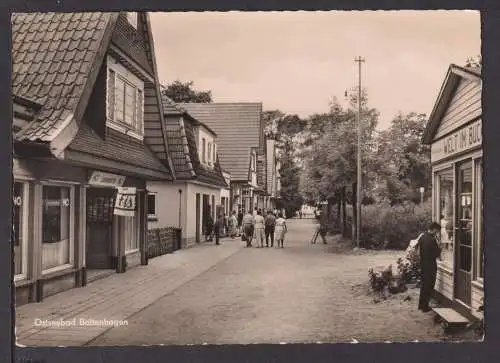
x,y
454,133
241,144
197,192
87,133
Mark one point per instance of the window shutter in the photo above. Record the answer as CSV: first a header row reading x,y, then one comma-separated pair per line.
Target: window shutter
x,y
111,95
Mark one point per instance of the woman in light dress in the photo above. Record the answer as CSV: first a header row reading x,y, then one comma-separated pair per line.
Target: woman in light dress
x,y
259,229
280,230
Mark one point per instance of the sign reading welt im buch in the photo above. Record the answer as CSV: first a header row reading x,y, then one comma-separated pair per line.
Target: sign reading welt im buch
x,y
463,139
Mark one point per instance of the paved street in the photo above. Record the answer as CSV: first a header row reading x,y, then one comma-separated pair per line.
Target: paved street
x,y
231,294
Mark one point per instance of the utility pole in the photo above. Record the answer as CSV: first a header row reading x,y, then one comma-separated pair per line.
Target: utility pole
x,y
359,60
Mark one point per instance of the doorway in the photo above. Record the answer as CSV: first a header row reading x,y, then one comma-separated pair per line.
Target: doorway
x,y
206,212
464,227
100,205
198,218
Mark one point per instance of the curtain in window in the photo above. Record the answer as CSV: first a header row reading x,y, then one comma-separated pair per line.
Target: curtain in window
x,y
18,224
446,216
56,217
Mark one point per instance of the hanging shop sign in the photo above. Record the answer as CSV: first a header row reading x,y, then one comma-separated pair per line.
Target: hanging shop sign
x,y
463,139
125,202
103,179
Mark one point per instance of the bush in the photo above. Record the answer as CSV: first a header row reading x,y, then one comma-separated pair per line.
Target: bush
x,y
386,226
409,268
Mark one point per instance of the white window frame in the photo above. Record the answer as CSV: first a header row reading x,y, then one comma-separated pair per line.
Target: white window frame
x,y
479,219
24,242
71,263
214,150
120,72
155,215
209,153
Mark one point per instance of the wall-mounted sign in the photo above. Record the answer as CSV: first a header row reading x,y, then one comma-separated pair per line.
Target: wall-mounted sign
x,y
18,201
100,178
125,202
463,139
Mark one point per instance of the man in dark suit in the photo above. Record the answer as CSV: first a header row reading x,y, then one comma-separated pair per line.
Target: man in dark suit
x,y
429,252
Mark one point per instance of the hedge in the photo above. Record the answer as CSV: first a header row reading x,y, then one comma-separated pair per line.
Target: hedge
x,y
393,227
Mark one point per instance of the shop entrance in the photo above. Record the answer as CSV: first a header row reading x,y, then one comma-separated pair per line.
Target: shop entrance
x,y
463,242
100,204
206,212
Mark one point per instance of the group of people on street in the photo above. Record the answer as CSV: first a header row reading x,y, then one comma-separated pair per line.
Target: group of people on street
x,y
261,226
268,226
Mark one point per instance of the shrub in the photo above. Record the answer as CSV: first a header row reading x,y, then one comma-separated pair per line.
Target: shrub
x,y
386,226
379,281
409,268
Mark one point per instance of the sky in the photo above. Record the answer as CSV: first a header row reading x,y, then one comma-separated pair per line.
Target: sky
x,y
298,61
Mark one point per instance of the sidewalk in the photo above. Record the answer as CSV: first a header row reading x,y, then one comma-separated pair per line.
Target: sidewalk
x,y
116,297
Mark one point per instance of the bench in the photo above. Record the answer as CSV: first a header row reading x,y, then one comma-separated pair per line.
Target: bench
x,y
449,318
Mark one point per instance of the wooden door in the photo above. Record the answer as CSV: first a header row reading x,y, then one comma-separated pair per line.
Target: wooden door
x,y
100,204
198,218
463,239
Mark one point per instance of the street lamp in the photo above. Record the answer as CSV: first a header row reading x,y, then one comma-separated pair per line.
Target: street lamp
x,y
422,189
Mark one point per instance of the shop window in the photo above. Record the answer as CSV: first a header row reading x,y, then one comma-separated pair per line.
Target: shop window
x,y
19,219
480,227
444,181
56,224
130,232
152,206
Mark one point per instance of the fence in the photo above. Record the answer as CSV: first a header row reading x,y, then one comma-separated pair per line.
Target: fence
x,y
163,240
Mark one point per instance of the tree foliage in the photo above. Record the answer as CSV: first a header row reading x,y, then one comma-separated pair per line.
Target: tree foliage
x,y
331,162
402,161
183,92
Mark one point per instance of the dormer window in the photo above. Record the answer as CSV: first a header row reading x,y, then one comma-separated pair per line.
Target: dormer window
x,y
125,100
209,153
132,19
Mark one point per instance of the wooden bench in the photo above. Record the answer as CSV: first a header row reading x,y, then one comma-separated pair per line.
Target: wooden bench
x,y
449,318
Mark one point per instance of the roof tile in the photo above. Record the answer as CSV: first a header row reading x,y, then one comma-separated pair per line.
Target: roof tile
x,y
49,55
239,128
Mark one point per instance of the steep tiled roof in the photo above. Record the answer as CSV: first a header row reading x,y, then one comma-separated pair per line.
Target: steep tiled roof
x,y
183,149
52,57
172,108
131,42
115,147
239,128
57,58
178,147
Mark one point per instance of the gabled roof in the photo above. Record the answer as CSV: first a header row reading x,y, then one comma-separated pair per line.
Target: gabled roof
x,y
239,127
453,76
56,61
171,108
183,148
53,55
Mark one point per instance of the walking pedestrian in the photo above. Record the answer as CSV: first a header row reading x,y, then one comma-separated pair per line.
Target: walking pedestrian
x,y
270,223
240,222
259,229
322,229
218,228
248,227
280,230
233,224
209,225
429,253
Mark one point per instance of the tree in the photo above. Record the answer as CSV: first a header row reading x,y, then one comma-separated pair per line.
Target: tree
x,y
183,92
402,161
